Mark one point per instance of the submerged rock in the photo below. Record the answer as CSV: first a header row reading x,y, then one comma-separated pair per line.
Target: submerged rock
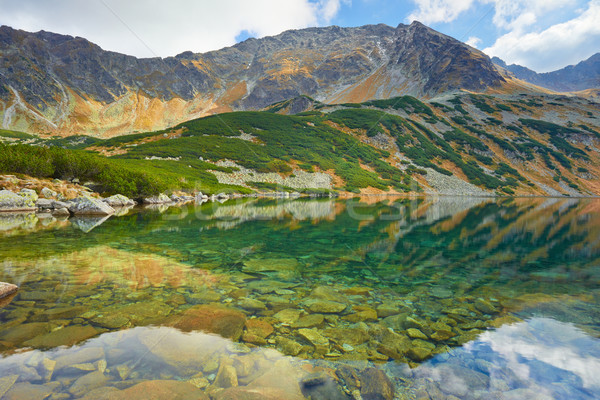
x,y
87,383
26,390
288,346
90,205
320,342
376,385
324,306
320,386
151,390
6,383
68,336
225,322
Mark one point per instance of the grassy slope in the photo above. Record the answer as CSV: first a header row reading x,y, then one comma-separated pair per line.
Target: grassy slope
x,y
464,135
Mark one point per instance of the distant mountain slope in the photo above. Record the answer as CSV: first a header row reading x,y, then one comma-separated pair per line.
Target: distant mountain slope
x,y
585,75
456,144
60,84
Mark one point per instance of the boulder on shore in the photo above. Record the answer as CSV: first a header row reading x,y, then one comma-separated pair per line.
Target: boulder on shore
x,y
90,206
118,200
24,201
6,289
160,199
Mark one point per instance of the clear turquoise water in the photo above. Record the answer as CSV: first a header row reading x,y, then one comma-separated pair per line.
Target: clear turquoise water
x,y
504,295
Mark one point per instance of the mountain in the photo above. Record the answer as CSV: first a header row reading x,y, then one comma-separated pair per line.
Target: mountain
x,y
585,75
51,83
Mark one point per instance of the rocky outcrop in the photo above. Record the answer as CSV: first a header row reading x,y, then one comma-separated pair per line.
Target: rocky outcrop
x,y
24,201
89,206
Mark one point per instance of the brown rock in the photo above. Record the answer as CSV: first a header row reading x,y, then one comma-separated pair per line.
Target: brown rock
x,y
6,289
394,345
415,334
325,306
309,321
288,316
259,327
223,321
288,346
21,333
63,337
329,294
253,339
376,385
320,342
351,336
418,353
368,315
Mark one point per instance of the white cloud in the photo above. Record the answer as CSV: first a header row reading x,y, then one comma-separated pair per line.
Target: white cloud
x,y
561,44
520,14
473,41
147,28
432,11
328,9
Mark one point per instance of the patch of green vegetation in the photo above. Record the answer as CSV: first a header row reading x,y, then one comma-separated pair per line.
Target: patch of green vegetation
x,y
441,106
556,132
352,105
503,107
460,137
408,103
480,103
306,139
133,178
493,121
458,105
16,135
483,159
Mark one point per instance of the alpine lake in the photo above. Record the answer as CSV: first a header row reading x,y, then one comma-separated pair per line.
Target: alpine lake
x,y
371,298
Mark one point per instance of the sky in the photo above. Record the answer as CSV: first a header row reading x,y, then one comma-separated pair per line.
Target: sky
x,y
543,35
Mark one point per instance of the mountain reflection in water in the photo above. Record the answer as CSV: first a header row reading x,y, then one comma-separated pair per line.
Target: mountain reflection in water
x,y
464,297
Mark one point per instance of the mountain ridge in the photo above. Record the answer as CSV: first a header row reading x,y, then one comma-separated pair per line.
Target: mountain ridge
x,y
52,83
582,76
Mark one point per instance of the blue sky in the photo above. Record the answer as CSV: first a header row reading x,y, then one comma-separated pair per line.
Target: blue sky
x,y
543,35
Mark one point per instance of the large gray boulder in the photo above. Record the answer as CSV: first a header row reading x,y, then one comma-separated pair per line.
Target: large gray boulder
x,y
10,201
118,200
86,205
30,196
160,199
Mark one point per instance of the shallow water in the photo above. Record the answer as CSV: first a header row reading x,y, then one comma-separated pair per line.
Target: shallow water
x,y
448,297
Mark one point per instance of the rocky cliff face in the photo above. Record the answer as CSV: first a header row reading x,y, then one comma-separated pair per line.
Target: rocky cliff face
x,y
52,83
584,75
